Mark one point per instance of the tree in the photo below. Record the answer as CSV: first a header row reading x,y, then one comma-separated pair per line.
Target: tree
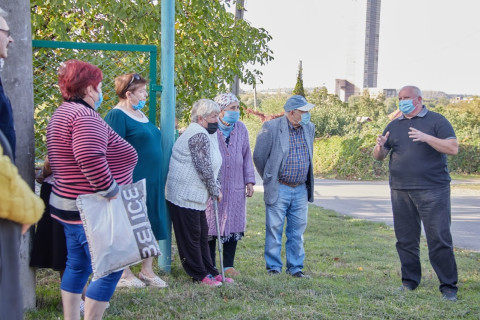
x,y
330,114
299,85
210,47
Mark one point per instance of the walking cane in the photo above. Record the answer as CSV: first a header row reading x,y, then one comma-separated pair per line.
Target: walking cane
x,y
215,209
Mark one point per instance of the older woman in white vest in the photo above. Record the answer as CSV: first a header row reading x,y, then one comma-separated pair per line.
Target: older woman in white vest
x,y
193,177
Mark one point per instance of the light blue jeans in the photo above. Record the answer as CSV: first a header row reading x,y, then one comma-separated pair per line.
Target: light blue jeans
x,y
292,204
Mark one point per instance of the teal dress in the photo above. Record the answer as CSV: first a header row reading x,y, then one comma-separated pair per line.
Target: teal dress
x,y
145,138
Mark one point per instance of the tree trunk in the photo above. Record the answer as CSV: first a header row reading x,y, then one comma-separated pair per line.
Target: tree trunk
x,y
17,77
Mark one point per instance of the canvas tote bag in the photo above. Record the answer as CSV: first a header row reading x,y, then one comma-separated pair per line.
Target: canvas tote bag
x,y
118,231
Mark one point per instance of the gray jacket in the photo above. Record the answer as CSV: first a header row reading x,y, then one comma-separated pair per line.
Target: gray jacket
x,y
271,152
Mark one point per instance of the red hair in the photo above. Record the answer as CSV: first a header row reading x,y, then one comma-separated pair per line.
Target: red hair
x,y
74,76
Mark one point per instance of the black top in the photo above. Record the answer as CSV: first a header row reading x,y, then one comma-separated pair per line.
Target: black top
x,y
6,120
415,164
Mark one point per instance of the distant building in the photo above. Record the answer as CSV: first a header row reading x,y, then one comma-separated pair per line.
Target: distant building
x,y
344,89
390,93
362,49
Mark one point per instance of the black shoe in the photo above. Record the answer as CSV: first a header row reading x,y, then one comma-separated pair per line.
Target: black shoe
x,y
450,295
300,274
273,272
404,287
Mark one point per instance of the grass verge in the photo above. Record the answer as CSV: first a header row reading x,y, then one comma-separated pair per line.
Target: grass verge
x,y
355,275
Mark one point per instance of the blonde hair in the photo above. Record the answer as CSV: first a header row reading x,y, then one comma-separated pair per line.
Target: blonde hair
x,y
204,108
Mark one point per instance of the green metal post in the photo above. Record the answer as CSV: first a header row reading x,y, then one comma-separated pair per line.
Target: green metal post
x,y
167,114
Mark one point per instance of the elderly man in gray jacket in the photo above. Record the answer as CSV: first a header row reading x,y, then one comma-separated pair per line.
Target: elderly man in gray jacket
x,y
283,157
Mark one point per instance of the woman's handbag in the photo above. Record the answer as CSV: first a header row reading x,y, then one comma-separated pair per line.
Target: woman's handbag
x,y
118,231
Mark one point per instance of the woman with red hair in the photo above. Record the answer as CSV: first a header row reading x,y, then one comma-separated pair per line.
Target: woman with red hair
x,y
86,156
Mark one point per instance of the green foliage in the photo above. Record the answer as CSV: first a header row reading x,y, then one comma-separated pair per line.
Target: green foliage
x,y
330,115
298,90
273,104
347,157
254,124
355,275
344,144
465,119
210,47
367,106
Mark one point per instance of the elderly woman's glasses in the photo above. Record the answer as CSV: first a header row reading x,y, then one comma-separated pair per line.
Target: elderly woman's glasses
x,y
7,32
135,77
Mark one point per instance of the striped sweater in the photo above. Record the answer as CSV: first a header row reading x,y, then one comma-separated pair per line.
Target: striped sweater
x,y
86,156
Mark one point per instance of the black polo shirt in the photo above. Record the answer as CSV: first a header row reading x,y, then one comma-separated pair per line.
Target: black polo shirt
x,y
414,164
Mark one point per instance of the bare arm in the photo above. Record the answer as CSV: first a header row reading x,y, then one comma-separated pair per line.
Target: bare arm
x,y
379,152
447,146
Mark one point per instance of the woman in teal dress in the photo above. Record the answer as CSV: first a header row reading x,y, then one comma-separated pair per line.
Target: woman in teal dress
x,y
130,123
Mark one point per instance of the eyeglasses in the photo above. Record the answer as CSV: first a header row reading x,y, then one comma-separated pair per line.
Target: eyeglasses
x,y
136,77
7,32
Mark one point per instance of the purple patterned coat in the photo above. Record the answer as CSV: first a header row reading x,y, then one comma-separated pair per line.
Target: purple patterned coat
x,y
236,172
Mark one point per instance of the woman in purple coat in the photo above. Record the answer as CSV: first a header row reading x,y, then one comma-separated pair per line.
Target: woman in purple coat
x,y
237,179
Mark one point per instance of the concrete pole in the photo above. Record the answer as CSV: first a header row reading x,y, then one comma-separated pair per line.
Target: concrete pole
x,y
17,78
238,16
167,113
255,96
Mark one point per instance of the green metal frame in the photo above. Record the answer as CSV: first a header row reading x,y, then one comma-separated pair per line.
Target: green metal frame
x,y
154,87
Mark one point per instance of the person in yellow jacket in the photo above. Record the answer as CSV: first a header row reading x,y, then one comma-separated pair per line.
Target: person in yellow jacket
x,y
19,209
18,203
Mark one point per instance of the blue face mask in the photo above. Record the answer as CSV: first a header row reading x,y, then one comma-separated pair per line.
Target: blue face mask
x,y
305,119
231,116
406,106
226,130
99,101
139,105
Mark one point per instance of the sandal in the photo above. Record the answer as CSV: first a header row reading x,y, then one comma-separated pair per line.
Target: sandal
x,y
153,281
130,283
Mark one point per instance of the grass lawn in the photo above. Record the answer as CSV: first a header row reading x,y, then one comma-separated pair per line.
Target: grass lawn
x,y
355,275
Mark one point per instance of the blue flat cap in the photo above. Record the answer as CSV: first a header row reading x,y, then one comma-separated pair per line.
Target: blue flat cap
x,y
297,103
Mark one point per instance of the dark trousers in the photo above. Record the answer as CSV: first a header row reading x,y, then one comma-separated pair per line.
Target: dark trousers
x,y
228,252
432,207
11,299
191,234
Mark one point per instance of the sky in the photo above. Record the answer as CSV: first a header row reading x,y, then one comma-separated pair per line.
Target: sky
x,y
433,44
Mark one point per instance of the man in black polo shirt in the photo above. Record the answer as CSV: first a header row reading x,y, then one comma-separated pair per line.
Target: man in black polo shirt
x,y
419,141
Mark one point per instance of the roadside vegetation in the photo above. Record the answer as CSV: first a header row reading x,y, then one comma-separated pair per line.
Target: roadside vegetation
x,y
346,132
355,275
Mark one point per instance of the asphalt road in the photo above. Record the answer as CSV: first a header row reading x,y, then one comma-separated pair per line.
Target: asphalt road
x,y
370,200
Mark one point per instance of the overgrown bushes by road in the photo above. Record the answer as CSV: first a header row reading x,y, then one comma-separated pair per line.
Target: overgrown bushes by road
x,y
346,132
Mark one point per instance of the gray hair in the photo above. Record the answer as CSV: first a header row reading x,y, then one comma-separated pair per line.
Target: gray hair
x,y
415,90
204,108
3,13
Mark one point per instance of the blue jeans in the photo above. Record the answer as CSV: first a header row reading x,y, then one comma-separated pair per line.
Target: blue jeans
x,y
292,204
432,207
78,267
